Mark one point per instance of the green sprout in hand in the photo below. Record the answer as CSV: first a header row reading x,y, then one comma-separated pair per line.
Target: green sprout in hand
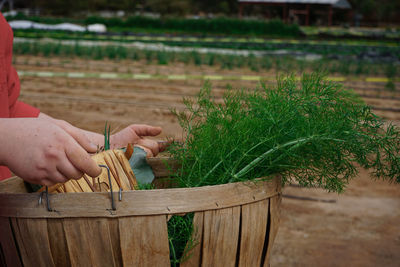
x,y
107,137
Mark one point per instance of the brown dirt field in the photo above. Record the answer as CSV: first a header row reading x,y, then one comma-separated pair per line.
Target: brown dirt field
x,y
362,226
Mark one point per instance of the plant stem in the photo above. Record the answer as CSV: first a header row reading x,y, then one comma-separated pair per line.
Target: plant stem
x,y
217,165
173,252
298,141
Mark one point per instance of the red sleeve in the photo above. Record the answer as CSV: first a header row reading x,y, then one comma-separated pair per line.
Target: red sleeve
x,y
17,108
9,77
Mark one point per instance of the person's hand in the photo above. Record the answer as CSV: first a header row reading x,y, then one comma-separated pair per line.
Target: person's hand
x,y
41,152
134,134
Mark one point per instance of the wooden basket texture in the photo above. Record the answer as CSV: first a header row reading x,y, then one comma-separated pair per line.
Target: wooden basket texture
x,y
235,225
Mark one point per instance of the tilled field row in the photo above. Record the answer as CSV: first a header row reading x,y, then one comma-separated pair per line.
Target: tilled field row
x,y
188,88
146,93
121,39
146,76
177,88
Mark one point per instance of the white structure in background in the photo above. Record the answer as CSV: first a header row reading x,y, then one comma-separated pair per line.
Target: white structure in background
x,y
97,28
25,24
11,13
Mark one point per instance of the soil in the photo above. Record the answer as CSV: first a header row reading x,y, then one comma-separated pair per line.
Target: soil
x,y
357,228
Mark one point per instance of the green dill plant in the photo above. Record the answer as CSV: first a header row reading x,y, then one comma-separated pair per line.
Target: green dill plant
x,y
181,241
311,131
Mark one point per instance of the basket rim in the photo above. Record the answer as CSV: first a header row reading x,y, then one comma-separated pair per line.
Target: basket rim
x,y
140,202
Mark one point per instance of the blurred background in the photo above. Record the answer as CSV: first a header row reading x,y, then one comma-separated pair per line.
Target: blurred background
x,y
127,61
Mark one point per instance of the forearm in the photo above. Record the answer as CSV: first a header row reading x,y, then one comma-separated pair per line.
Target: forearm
x,y
5,128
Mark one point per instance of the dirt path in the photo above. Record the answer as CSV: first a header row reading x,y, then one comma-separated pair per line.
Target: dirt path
x,y
361,229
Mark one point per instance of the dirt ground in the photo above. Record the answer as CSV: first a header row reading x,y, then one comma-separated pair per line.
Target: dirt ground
x,y
358,228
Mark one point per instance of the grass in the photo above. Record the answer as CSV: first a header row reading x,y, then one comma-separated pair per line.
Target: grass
x,y
321,47
280,63
313,132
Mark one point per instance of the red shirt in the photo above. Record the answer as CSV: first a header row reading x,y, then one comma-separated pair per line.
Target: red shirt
x,y
10,107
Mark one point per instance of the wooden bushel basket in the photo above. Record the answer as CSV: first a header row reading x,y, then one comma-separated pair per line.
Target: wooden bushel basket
x,y
235,224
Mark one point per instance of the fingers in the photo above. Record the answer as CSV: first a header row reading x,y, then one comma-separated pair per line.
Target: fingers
x,y
54,178
149,153
145,130
69,171
163,145
57,177
81,160
152,145
78,135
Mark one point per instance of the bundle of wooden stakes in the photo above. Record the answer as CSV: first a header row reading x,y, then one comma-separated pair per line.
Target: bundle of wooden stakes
x,y
121,174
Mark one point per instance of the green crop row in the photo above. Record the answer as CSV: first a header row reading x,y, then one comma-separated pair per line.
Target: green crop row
x,y
220,25
266,63
326,49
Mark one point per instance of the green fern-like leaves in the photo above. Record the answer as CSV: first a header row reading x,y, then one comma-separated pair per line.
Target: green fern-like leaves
x,y
312,131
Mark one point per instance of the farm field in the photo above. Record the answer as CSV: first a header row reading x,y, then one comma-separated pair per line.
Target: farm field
x,y
357,228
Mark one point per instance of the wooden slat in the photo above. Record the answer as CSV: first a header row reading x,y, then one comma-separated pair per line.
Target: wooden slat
x,y
112,168
125,184
84,185
129,151
115,240
220,238
102,251
127,169
7,244
194,255
99,158
144,241
75,186
90,182
58,243
274,211
89,242
69,187
13,185
61,189
253,228
163,201
33,241
78,242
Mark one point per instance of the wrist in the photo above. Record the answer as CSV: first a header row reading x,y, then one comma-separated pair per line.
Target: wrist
x,y
6,138
44,116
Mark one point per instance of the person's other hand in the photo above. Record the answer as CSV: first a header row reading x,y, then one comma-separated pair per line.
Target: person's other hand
x,y
41,152
134,134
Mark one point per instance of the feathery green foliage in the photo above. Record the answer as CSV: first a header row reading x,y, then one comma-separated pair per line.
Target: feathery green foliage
x,y
313,132
181,242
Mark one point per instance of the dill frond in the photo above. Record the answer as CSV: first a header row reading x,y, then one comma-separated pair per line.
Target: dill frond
x,y
313,131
